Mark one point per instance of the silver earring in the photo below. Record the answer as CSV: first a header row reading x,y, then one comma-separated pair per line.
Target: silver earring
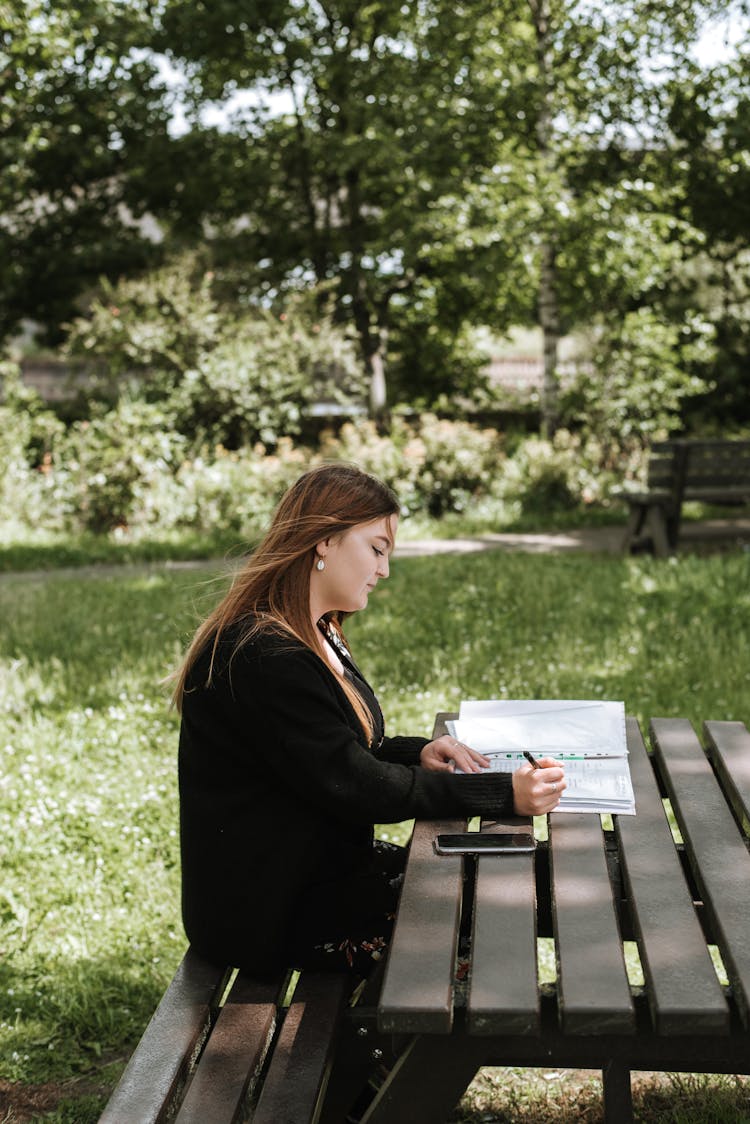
x,y
320,564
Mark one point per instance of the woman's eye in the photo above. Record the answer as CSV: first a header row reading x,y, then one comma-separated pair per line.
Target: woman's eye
x,y
379,553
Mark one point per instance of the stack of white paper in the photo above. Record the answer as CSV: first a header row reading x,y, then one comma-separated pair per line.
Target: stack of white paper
x,y
587,737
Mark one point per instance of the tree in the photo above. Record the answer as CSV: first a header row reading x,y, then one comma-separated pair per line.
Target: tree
x,y
710,127
596,103
359,183
81,106
421,164
461,159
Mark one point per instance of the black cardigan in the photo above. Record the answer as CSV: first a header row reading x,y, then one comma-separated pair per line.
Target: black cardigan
x,y
279,792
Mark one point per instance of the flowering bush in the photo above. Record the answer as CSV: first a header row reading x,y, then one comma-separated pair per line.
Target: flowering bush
x,y
385,456
459,464
536,478
220,491
29,437
130,470
434,467
551,475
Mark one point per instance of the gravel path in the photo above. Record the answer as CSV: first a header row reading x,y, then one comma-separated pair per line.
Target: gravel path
x,y
710,533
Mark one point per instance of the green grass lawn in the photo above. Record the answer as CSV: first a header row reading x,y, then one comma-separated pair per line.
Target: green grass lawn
x,y
89,893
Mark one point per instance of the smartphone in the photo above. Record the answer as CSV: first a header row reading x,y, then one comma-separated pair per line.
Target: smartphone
x,y
479,843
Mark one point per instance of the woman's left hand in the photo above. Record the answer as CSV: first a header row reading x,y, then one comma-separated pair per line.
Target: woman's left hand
x,y
446,755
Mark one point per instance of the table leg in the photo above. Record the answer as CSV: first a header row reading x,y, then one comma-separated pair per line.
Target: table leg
x,y
356,1060
618,1099
429,1078
359,1051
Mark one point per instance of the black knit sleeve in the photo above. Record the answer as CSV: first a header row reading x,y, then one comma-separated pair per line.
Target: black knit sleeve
x,y
302,728
405,751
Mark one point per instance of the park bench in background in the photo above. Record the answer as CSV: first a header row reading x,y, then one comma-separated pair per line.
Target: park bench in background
x,y
715,472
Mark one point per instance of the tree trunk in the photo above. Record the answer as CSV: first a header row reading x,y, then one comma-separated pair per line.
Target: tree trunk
x,y
372,339
549,320
549,316
378,401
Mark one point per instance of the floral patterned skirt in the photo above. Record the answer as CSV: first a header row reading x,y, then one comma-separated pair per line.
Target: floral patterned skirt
x,y
345,926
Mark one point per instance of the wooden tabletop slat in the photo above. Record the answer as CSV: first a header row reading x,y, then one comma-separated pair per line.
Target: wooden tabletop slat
x,y
503,992
417,994
593,990
683,991
715,846
730,742
233,1055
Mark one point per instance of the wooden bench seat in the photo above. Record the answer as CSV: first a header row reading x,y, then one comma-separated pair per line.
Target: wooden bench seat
x,y
223,1047
715,472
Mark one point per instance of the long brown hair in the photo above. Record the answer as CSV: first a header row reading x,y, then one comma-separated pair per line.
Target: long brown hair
x,y
271,593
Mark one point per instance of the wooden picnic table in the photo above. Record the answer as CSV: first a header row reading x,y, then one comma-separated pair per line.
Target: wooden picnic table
x,y
682,897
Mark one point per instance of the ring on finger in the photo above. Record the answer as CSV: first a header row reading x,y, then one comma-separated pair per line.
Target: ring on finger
x,y
554,786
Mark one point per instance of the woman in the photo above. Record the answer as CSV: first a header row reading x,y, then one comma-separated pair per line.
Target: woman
x,y
284,762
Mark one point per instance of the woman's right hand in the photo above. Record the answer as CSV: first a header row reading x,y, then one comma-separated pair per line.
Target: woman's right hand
x,y
538,791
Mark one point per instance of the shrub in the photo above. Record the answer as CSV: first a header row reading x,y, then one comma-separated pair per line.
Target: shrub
x,y
161,322
385,456
129,470
112,461
257,383
226,379
639,377
459,464
551,475
436,467
535,478
29,437
220,491
28,430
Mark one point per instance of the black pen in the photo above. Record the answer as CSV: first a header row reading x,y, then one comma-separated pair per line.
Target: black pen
x,y
531,759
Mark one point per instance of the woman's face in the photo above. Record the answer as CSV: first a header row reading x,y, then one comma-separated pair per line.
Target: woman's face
x,y
354,563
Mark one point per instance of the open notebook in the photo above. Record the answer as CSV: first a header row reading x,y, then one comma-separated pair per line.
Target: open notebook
x,y
587,736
